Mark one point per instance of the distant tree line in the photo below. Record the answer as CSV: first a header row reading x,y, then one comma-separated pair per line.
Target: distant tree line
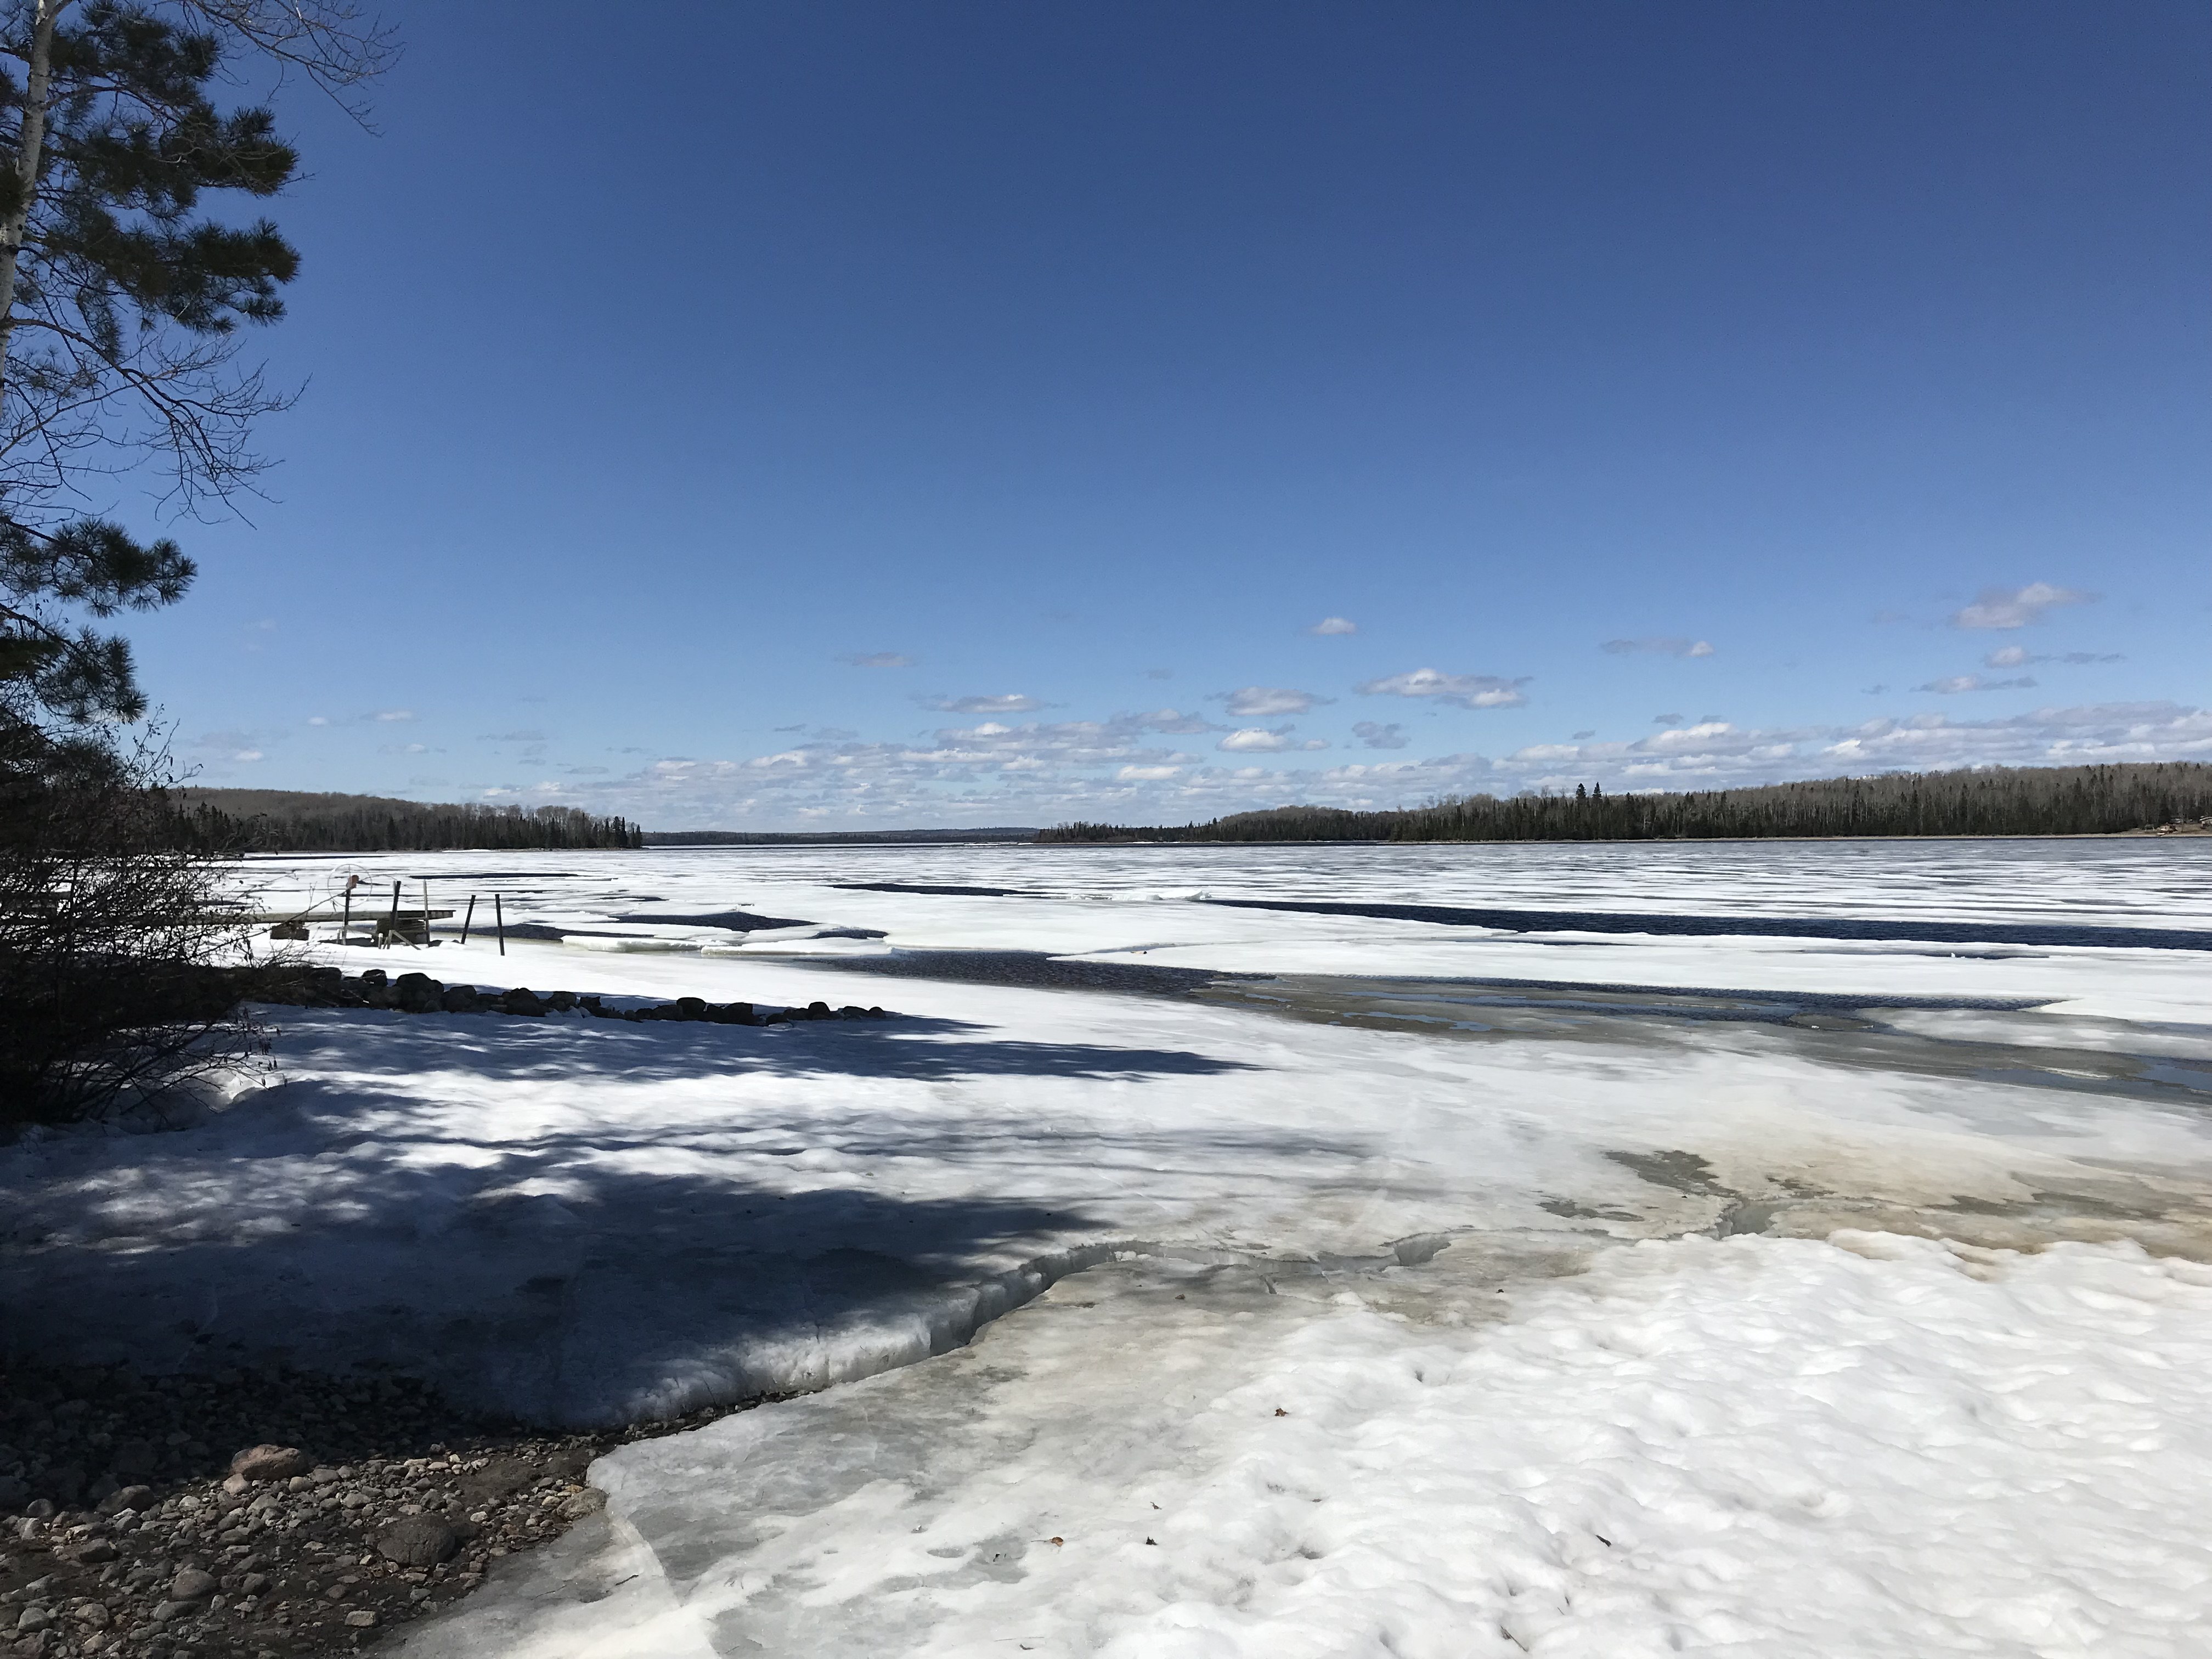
x,y
2057,800
285,821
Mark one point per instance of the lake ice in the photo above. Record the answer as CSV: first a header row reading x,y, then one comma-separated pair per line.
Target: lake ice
x,y
1738,1292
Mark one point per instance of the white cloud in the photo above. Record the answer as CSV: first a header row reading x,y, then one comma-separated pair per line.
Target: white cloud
x,y
395,714
2002,607
1168,720
2015,656
1010,702
1042,773
1160,673
1261,700
248,754
1467,690
1334,625
1715,755
878,659
1663,648
1957,682
1372,735
1255,740
318,720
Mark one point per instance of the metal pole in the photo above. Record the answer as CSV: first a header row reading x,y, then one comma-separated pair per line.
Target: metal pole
x,y
469,918
345,928
499,912
391,927
426,913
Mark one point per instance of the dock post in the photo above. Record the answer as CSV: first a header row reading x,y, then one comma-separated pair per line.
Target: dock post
x,y
391,926
469,918
499,912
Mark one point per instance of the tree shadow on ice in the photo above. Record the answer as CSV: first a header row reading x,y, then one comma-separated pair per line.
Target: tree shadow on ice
x,y
569,1295
930,1049
578,1257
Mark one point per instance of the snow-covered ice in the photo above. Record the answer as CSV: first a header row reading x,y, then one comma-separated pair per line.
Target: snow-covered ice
x,y
1880,1447
1825,1297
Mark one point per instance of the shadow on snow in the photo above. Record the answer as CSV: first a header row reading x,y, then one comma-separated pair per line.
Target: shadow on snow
x,y
583,1254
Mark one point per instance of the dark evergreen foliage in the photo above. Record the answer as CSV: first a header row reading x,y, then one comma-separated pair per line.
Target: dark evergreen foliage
x,y
285,821
2057,800
121,295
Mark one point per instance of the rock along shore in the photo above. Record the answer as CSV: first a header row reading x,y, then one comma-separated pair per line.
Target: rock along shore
x,y
277,1513
419,993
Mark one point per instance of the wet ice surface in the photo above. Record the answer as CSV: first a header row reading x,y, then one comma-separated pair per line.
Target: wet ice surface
x,y
1781,1444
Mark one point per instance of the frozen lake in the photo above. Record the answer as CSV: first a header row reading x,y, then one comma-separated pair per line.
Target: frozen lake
x,y
1620,1290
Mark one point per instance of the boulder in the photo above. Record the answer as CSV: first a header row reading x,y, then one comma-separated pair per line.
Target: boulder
x,y
819,1010
127,1498
418,993
733,1013
461,999
561,1001
521,1000
417,1541
192,1584
690,1008
267,1463
499,1478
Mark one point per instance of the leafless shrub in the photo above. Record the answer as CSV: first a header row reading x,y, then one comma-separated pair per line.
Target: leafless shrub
x,y
121,974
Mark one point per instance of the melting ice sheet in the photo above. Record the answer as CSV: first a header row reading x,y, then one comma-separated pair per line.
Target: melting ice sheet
x,y
1828,1325
1877,1447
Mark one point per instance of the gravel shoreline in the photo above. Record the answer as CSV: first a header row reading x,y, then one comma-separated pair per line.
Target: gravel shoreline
x,y
255,1513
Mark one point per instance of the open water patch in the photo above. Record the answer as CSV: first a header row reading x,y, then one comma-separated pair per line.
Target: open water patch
x,y
1030,969
1844,928
939,889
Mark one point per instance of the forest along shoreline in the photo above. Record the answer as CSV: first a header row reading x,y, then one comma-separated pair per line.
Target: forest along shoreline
x,y
2134,798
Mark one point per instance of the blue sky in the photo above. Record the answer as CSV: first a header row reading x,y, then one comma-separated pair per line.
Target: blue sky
x,y
829,414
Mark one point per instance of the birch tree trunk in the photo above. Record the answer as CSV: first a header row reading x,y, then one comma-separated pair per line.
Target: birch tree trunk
x,y
30,144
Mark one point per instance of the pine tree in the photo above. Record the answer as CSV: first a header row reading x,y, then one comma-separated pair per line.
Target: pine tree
x,y
122,301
